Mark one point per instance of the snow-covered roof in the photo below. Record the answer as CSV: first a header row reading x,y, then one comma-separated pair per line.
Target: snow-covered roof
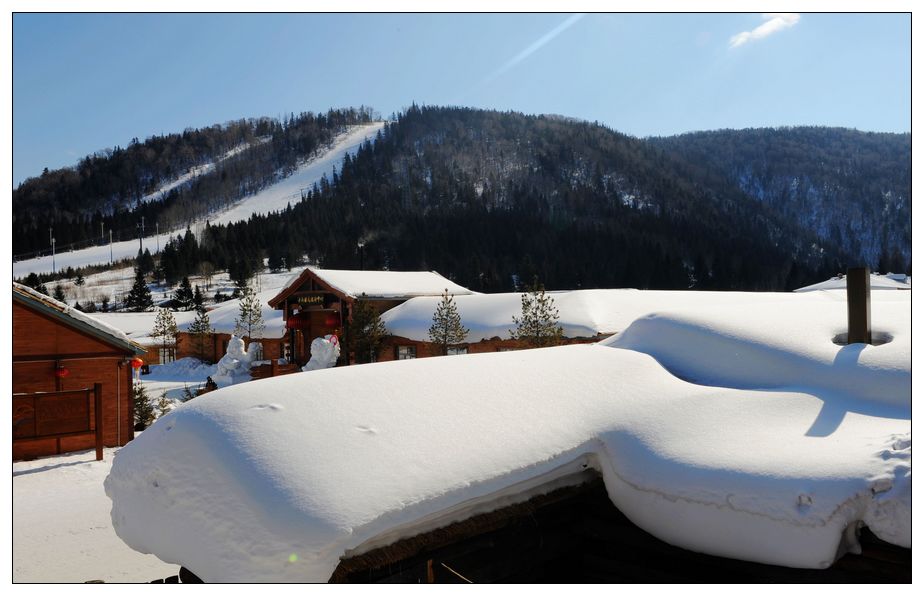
x,y
222,317
876,282
396,285
737,429
582,313
75,318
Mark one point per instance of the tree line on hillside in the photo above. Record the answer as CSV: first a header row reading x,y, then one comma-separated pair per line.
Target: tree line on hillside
x,y
103,192
492,200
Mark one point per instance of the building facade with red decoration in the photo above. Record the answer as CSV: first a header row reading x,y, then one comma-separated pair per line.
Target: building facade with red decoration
x,y
319,302
60,357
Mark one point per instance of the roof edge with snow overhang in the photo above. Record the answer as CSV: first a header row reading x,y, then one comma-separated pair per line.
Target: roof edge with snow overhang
x,y
74,318
353,284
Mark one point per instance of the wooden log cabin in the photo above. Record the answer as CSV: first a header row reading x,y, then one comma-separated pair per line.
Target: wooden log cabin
x,y
319,302
59,354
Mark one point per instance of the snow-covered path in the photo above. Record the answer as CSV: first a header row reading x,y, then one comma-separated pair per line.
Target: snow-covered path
x,y
62,529
270,199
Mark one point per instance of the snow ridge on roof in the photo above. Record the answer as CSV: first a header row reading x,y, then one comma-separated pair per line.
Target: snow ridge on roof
x,y
341,461
75,314
876,282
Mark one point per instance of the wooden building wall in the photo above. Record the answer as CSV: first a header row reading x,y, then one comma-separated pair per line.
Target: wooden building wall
x,y
39,343
217,345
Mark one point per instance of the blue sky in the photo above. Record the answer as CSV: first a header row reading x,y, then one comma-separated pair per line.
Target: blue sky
x,y
85,82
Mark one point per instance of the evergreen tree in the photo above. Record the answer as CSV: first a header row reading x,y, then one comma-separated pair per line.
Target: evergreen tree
x,y
200,330
43,289
144,410
164,405
77,306
366,331
145,261
198,299
184,295
139,298
165,327
59,294
447,329
538,323
105,304
80,280
90,307
249,321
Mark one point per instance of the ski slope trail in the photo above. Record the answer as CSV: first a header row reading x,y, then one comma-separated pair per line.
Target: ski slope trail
x,y
273,198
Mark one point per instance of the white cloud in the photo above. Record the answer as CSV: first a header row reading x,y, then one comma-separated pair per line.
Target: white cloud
x,y
774,21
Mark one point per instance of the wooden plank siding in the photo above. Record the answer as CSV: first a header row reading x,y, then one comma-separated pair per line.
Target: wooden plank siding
x,y
39,343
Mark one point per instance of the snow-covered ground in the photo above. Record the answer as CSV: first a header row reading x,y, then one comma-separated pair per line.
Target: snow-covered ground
x,y
270,199
737,429
62,525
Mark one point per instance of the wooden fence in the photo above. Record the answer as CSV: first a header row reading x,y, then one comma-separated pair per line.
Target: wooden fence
x,y
59,414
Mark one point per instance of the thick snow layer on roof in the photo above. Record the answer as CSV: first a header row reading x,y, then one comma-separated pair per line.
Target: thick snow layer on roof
x,y
75,314
582,313
876,282
776,442
386,284
223,316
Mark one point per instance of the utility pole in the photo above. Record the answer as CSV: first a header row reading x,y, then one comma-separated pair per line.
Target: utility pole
x,y
101,235
157,234
54,269
110,247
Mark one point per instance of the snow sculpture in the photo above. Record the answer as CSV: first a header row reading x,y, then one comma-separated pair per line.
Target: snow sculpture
x,y
324,353
235,363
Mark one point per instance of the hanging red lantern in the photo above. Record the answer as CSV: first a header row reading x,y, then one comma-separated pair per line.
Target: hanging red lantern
x,y
331,320
61,372
137,362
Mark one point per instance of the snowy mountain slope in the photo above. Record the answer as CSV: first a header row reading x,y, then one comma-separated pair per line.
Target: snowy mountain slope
x,y
275,480
274,198
289,190
195,172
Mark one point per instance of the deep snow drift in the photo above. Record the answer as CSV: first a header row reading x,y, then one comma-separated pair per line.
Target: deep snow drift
x,y
736,431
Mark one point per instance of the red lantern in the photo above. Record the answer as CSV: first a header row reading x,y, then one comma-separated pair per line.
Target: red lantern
x,y
137,363
331,320
61,372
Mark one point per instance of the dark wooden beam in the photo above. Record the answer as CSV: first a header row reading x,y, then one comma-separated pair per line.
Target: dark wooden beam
x,y
859,328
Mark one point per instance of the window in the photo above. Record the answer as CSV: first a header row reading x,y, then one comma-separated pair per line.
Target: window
x,y
407,352
166,355
456,350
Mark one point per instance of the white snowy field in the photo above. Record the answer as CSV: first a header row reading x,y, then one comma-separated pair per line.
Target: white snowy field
x,y
740,430
62,527
270,199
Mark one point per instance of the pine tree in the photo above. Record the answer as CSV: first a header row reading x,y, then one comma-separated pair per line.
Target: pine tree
x,y
139,298
80,280
538,324
198,299
144,411
184,295
164,327
447,329
249,321
366,331
200,330
164,405
59,294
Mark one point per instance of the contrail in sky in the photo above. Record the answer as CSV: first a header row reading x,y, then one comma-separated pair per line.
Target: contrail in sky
x,y
533,47
526,53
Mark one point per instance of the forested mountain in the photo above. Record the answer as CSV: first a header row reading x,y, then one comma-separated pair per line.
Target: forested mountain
x,y
851,188
238,159
492,199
